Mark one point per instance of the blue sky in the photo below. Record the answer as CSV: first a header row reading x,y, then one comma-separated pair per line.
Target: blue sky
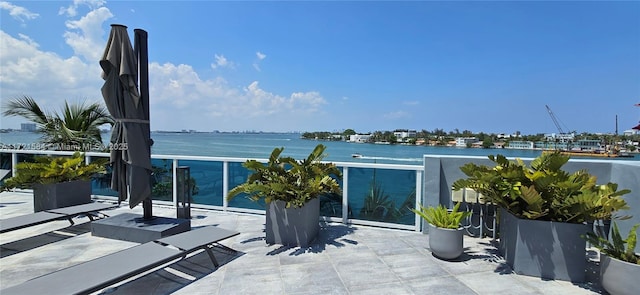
x,y
325,66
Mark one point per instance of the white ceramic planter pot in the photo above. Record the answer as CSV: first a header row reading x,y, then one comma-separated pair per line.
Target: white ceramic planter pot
x,y
618,277
446,243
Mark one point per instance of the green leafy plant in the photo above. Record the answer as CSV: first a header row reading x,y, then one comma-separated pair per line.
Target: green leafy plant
x,y
53,170
544,191
441,217
288,180
616,247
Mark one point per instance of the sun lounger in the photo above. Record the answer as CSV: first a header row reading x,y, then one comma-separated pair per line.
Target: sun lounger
x,y
102,272
22,221
201,238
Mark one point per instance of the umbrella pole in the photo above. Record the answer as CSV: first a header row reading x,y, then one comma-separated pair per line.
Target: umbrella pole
x,y
141,49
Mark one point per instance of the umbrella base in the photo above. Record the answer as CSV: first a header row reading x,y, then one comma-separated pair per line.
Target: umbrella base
x,y
134,228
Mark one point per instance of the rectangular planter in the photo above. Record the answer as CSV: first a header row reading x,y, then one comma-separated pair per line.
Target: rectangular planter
x,y
63,194
292,226
545,249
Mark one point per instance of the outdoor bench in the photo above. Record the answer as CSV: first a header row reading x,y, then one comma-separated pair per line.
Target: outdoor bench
x,y
23,221
99,273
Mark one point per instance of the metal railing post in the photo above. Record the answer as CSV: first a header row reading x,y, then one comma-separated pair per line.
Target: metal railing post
x,y
418,219
174,169
345,195
225,184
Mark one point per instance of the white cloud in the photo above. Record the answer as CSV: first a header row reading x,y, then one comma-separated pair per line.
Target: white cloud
x,y
180,88
72,10
180,98
411,103
260,56
222,62
86,35
28,40
17,12
46,76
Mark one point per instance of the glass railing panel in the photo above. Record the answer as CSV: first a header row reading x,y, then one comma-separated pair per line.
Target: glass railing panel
x,y
384,195
331,204
207,183
237,176
162,179
101,183
27,157
5,164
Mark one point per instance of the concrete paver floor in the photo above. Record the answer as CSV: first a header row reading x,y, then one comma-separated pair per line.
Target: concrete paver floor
x,y
345,259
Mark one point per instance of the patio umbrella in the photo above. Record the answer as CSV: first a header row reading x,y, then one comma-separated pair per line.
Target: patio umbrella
x,y
130,137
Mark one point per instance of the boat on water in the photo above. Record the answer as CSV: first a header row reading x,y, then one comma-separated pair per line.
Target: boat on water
x,y
356,155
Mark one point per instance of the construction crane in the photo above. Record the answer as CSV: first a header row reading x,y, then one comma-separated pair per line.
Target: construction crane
x,y
555,121
564,137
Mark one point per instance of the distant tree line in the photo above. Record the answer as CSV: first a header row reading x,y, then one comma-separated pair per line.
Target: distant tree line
x,y
441,137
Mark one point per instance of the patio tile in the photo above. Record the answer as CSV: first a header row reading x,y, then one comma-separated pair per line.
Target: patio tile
x,y
319,277
364,274
345,259
439,285
391,248
376,289
487,282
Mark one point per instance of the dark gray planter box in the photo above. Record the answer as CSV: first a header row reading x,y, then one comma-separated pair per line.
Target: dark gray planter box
x,y
545,249
292,226
63,194
618,277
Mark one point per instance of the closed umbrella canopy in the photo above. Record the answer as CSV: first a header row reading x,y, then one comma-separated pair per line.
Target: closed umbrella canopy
x,y
130,138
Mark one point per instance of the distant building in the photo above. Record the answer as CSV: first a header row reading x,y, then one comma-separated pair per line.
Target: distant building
x,y
402,134
507,136
561,137
463,141
499,144
520,145
552,145
359,138
631,132
592,145
28,127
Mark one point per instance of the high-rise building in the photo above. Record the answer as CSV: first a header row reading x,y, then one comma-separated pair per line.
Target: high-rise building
x,y
28,127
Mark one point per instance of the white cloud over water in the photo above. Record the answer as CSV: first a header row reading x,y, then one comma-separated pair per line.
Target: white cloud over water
x,y
181,98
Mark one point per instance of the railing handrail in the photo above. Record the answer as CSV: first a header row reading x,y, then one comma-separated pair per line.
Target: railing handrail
x,y
217,159
175,158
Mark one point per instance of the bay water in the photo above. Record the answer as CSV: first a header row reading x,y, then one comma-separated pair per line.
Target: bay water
x,y
368,188
260,146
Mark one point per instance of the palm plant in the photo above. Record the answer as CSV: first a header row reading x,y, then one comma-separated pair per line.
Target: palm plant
x,y
285,179
441,217
77,126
